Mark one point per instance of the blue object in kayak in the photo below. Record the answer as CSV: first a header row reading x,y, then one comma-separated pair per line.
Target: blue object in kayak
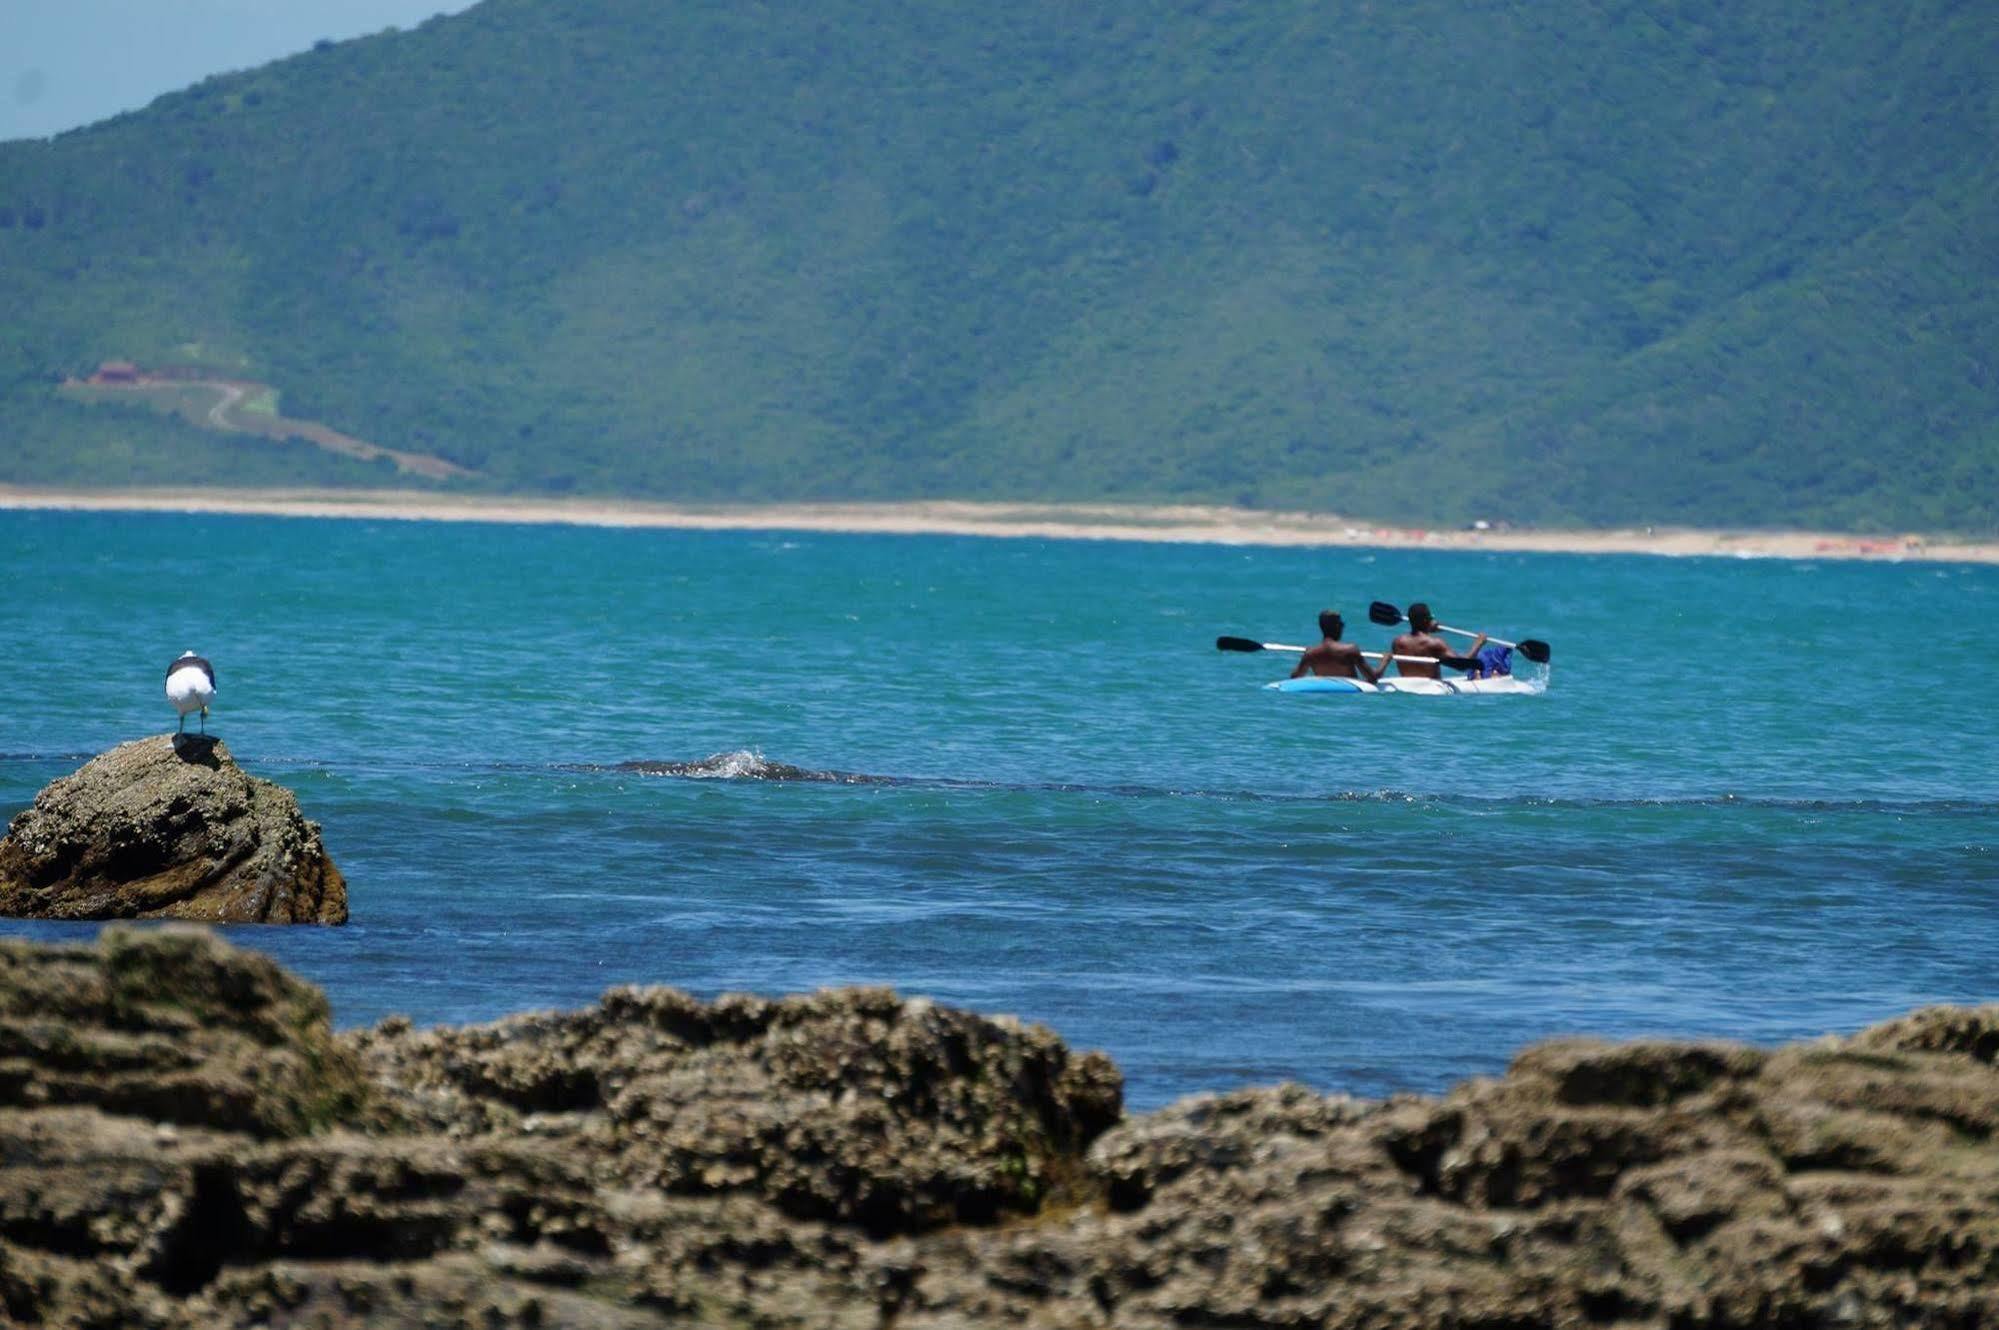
x,y
1492,662
1317,683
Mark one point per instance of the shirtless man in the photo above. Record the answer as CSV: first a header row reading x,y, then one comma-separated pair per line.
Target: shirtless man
x,y
1422,640
1333,658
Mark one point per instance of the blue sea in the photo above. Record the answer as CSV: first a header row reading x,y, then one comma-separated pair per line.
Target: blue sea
x,y
1758,800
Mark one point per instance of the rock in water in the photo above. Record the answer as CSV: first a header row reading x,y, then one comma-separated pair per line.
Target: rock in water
x,y
168,828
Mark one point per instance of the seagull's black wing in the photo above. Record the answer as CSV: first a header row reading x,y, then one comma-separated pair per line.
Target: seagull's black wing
x,y
193,662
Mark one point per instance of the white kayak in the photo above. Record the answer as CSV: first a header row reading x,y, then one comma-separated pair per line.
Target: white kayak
x,y
1503,684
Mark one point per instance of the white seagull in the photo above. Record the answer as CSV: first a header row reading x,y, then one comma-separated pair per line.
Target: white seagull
x,y
191,687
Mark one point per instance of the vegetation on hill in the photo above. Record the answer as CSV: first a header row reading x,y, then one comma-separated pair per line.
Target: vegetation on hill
x,y
1590,261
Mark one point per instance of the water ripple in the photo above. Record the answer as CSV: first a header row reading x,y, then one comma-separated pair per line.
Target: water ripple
x,y
749,765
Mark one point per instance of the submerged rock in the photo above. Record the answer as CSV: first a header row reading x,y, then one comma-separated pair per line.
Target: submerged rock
x,y
184,1143
168,828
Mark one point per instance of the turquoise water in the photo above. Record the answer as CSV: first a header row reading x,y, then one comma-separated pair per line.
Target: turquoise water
x,y
1760,799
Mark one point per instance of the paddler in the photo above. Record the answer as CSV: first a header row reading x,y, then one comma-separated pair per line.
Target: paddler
x,y
1422,640
1332,658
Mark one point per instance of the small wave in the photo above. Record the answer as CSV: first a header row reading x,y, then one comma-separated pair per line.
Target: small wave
x,y
1763,802
746,764
749,765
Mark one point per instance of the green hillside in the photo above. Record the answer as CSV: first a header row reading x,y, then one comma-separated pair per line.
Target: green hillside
x,y
1556,263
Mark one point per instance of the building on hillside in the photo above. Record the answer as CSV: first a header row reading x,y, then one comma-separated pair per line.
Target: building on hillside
x,y
116,371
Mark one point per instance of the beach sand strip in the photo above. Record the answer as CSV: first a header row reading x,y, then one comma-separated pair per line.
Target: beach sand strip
x,y
1171,523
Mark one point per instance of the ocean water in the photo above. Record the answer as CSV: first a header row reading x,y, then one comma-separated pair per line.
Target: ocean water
x,y
1759,799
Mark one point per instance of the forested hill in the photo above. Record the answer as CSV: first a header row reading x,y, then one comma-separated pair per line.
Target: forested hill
x,y
1576,261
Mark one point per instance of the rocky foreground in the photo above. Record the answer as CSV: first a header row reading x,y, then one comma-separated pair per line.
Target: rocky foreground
x,y
186,1143
168,828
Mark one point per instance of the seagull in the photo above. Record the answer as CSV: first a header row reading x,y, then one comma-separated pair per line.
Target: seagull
x,y
191,687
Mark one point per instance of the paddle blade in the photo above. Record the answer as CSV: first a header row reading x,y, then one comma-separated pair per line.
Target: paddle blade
x,y
1534,650
1237,644
1384,614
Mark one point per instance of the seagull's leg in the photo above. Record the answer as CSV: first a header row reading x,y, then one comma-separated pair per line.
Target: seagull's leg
x,y
183,724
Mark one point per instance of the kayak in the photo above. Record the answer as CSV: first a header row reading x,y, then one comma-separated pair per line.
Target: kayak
x,y
1501,684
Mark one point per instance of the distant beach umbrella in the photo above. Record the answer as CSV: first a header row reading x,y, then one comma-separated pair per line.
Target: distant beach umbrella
x,y
191,687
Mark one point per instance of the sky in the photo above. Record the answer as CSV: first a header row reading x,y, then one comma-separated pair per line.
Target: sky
x,y
65,63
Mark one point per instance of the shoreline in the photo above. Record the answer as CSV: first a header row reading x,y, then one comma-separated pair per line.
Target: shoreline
x,y
1164,523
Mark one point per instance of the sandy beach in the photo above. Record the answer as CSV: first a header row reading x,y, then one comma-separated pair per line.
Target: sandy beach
x,y
1075,521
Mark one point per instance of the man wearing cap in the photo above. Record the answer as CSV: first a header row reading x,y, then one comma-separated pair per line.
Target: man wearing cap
x,y
1333,658
1422,640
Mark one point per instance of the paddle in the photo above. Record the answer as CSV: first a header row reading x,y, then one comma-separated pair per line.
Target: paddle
x,y
1245,644
1249,644
1388,616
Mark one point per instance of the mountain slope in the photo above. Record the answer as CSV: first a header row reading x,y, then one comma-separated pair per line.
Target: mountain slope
x,y
1573,262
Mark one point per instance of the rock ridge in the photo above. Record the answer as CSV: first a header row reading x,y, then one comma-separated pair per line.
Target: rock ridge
x,y
185,1142
168,827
